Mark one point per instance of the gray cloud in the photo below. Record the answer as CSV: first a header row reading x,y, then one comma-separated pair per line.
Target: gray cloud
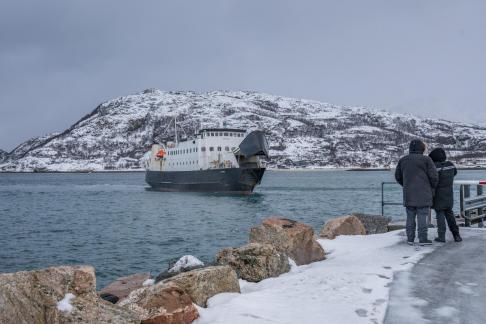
x,y
59,59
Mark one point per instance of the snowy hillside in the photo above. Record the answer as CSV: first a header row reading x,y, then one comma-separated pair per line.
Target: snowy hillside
x,y
302,133
3,155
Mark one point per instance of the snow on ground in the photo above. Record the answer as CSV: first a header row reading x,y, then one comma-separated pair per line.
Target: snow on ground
x,y
64,305
351,286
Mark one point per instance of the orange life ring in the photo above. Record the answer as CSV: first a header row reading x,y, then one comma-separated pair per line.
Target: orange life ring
x,y
160,153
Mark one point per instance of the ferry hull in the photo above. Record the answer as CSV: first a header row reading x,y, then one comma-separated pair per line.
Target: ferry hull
x,y
234,180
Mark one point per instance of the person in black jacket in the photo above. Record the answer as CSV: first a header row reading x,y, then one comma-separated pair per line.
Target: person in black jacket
x,y
444,196
417,174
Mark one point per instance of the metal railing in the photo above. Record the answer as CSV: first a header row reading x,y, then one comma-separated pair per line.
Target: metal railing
x,y
387,203
472,207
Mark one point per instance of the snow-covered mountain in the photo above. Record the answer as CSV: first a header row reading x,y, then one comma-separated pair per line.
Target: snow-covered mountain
x,y
3,155
301,133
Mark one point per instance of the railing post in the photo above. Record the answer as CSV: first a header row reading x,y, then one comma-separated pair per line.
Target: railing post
x,y
465,193
382,199
479,192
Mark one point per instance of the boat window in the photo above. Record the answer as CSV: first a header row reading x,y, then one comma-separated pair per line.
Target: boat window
x,y
225,134
211,148
220,134
226,148
212,134
196,149
203,149
219,148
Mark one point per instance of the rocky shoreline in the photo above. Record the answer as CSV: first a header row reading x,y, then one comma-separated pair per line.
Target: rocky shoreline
x,y
67,294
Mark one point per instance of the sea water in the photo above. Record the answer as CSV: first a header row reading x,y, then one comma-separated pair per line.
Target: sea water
x,y
111,220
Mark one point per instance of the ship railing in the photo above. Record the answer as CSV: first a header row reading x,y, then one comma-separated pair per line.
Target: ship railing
x,y
472,206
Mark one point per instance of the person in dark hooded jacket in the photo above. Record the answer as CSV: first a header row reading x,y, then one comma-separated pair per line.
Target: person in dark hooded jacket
x,y
444,195
417,174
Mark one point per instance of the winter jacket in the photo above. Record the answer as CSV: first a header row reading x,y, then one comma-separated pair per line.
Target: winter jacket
x,y
444,192
417,174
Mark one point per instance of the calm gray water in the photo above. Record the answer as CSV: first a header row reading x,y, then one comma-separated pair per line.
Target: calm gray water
x,y
110,220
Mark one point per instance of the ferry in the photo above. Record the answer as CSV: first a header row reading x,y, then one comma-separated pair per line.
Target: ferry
x,y
213,160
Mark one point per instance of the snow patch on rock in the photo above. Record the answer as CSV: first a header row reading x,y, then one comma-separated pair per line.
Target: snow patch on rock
x,y
64,305
148,282
187,261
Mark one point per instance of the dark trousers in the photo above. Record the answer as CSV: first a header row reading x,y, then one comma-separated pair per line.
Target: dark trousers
x,y
442,216
421,213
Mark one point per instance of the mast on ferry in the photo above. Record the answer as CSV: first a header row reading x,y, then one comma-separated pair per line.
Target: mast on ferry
x,y
175,127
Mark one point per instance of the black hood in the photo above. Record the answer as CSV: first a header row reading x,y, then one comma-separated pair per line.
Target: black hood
x,y
416,146
438,155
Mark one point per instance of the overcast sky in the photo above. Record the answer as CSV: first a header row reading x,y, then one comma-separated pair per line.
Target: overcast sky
x,y
59,59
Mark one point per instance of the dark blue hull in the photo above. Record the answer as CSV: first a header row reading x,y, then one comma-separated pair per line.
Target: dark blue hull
x,y
235,180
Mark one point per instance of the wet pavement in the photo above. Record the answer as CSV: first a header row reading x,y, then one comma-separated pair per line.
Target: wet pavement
x,y
446,286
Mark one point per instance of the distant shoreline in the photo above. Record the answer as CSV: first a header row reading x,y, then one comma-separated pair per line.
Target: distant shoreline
x,y
269,169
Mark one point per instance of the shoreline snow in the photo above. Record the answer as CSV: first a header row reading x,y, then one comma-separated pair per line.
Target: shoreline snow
x,y
351,286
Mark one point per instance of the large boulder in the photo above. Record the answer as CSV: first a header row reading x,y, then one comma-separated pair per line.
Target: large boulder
x,y
255,261
123,286
293,238
202,284
64,294
344,225
161,304
374,224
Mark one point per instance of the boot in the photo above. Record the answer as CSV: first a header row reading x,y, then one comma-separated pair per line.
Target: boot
x,y
457,237
426,242
440,239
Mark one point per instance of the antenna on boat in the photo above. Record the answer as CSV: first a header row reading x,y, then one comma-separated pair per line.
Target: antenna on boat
x,y
175,128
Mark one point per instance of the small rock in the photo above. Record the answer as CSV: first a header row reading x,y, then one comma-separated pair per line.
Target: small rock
x,y
396,226
202,284
64,294
161,304
255,261
345,225
123,286
374,224
109,298
290,237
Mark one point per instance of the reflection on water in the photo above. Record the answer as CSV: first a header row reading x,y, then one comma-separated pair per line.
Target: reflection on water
x,y
111,221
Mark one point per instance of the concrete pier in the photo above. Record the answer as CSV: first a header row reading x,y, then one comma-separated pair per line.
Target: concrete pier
x,y
446,286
